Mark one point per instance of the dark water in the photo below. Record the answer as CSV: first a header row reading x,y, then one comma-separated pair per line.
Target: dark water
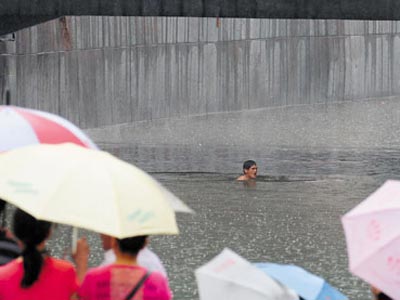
x,y
292,215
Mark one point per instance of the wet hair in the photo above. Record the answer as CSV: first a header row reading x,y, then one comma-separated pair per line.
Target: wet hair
x,y
132,245
3,218
31,232
2,205
248,164
382,296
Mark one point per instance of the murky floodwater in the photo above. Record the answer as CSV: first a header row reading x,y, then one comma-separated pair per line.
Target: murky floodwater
x,y
292,215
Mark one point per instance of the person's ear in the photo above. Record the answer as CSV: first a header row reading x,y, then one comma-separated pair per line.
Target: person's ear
x,y
146,242
114,243
106,241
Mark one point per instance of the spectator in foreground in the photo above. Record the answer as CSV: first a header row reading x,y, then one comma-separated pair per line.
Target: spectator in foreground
x,y
36,275
124,279
146,258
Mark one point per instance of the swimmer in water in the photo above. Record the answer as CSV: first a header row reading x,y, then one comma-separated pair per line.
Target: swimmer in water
x,y
249,171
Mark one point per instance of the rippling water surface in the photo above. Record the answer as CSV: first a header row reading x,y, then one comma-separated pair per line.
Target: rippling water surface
x,y
291,215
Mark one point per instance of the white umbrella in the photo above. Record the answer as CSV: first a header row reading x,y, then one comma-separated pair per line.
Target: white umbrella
x,y
228,276
86,188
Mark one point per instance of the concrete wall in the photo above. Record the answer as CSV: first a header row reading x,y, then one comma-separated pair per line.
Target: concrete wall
x,y
103,71
99,71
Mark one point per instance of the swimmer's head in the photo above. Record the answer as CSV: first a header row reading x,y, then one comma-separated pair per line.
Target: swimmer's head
x,y
248,164
250,169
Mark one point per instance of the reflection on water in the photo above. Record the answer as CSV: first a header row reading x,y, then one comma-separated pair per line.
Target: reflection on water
x,y
291,215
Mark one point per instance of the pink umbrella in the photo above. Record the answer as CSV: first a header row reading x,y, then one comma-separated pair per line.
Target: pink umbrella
x,y
373,239
21,127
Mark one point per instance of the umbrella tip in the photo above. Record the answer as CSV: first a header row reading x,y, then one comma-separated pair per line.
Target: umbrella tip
x,y
8,97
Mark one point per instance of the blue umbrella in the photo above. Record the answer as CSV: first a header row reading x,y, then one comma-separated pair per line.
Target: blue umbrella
x,y
307,285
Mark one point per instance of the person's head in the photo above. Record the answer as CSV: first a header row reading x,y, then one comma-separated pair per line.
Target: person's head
x,y
250,169
132,245
383,296
378,295
31,233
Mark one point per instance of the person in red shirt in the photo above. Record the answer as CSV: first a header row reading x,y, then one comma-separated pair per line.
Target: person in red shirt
x,y
36,275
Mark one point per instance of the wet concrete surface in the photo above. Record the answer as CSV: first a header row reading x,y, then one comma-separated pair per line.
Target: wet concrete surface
x,y
291,215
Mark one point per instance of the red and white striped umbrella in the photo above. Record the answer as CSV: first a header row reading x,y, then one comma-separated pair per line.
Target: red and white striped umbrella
x,y
21,127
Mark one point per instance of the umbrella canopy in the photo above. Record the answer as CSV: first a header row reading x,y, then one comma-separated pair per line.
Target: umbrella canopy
x,y
373,239
228,276
86,188
21,127
304,283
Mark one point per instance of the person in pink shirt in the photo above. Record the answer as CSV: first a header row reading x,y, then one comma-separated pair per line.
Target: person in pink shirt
x,y
124,279
145,258
36,275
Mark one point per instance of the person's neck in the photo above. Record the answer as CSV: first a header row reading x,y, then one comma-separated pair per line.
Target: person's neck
x,y
125,259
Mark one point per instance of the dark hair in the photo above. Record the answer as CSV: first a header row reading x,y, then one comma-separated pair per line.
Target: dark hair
x,y
31,232
3,219
2,205
248,164
132,245
382,296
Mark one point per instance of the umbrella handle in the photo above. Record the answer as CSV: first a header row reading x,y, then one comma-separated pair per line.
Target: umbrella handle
x,y
74,239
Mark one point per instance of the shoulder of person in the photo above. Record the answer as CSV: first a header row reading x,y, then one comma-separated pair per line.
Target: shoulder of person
x,y
157,277
157,287
60,264
14,266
